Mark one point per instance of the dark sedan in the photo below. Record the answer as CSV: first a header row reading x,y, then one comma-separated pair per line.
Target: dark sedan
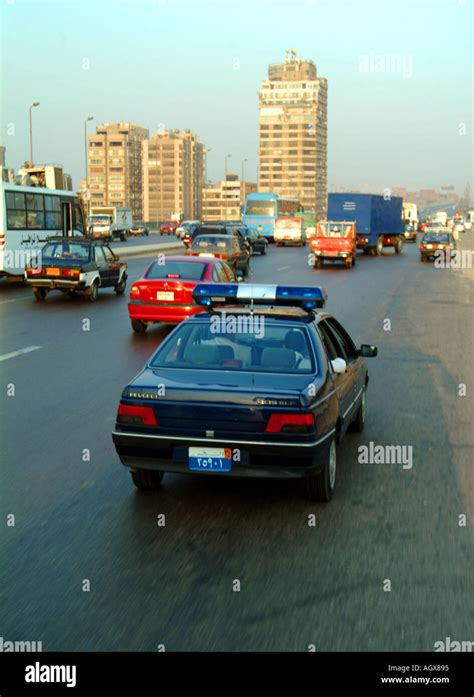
x,y
435,245
229,248
263,393
258,243
77,265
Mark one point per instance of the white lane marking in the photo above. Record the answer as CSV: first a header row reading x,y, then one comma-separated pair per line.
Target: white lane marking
x,y
13,300
14,354
283,268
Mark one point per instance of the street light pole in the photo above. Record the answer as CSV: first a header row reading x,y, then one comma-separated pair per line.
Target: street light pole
x,y
205,165
225,167
89,118
31,133
242,185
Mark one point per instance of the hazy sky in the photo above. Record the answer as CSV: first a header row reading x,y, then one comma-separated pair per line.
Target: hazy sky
x,y
400,79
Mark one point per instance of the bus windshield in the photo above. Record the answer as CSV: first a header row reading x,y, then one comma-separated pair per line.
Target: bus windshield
x,y
260,207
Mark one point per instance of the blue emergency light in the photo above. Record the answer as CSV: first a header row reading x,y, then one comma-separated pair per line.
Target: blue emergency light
x,y
306,297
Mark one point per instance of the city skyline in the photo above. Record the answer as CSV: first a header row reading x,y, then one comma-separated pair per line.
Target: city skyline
x,y
383,79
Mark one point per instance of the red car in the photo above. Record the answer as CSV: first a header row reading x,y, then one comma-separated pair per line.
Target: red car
x,y
164,293
168,227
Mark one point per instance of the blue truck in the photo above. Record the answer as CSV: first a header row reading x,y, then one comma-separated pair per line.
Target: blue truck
x,y
378,219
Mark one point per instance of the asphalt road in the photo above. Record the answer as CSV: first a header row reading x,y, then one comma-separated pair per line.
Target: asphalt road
x,y
300,585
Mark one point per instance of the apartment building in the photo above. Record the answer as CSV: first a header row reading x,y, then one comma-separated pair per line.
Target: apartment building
x,y
115,166
293,133
173,175
222,200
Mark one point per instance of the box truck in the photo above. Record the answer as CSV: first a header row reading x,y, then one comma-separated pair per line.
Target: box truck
x,y
378,220
109,222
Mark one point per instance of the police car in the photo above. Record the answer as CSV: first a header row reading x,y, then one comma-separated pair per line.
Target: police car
x,y
263,383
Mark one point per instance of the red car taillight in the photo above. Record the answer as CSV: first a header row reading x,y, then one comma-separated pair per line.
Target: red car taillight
x,y
134,292
138,416
31,271
75,273
290,423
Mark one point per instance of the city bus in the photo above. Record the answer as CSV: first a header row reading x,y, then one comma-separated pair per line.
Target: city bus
x,y
29,216
262,209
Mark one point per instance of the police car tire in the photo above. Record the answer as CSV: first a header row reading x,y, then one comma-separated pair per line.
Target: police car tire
x,y
147,480
318,486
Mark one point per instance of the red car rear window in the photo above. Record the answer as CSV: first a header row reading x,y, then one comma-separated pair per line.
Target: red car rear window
x,y
187,270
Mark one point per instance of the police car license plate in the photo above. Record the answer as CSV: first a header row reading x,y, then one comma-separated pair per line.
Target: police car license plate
x,y
210,459
164,295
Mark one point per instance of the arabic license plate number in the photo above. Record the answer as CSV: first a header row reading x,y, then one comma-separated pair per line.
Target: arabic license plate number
x,y
429,246
52,272
164,295
210,459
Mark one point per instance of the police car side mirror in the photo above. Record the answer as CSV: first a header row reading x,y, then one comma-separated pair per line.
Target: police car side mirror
x,y
368,351
339,365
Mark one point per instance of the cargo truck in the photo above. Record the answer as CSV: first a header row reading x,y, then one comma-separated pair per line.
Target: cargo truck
x,y
378,220
109,222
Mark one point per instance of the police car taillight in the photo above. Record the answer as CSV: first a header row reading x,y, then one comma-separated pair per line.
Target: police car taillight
x,y
136,415
307,297
290,423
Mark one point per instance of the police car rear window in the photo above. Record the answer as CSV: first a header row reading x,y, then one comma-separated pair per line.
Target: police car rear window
x,y
240,342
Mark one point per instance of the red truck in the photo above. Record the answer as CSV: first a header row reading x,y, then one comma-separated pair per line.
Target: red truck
x,y
334,241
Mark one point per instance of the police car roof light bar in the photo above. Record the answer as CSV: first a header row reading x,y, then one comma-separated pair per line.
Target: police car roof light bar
x,y
307,297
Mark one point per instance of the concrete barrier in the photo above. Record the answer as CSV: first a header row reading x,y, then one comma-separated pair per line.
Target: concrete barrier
x,y
149,250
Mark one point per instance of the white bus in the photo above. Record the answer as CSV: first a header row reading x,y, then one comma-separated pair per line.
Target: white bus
x,y
29,215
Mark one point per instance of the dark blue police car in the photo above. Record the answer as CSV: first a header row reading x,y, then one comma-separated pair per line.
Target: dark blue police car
x,y
260,384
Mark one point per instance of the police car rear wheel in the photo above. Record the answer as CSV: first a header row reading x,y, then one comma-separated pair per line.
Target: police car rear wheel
x,y
147,480
321,487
